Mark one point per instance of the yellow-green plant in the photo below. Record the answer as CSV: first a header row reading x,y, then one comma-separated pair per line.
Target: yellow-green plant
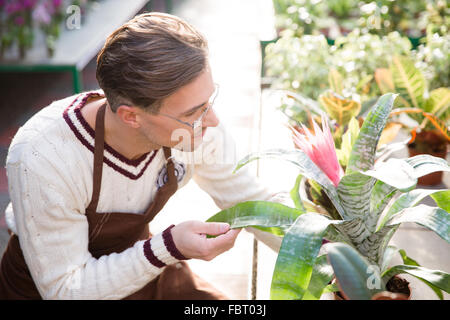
x,y
431,110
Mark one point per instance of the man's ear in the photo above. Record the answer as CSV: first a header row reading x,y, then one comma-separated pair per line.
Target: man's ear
x,y
128,115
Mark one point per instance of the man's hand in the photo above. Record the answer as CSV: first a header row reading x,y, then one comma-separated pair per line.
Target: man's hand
x,y
190,239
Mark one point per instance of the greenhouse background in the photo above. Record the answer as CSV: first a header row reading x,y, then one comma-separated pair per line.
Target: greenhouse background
x,y
280,64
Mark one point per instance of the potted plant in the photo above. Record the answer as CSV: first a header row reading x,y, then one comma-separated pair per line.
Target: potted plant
x,y
430,111
305,64
345,116
17,25
366,217
49,16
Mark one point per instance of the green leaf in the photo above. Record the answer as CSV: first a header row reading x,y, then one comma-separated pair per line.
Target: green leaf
x,y
382,194
439,101
357,278
407,260
435,219
364,149
348,139
295,195
442,199
322,275
331,288
264,215
297,256
387,257
306,167
408,81
406,200
411,262
437,278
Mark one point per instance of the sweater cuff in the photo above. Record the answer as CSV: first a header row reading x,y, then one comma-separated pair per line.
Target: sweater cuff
x,y
160,250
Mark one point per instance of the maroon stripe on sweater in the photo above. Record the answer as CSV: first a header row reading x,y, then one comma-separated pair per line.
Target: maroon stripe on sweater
x,y
148,252
91,148
91,132
170,244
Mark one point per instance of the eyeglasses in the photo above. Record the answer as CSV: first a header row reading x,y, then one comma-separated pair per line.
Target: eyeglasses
x,y
198,123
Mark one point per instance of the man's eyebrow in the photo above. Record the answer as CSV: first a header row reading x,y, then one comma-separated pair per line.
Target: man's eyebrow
x,y
193,109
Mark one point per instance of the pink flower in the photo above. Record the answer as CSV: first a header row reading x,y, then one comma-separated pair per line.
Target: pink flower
x,y
57,3
319,146
41,14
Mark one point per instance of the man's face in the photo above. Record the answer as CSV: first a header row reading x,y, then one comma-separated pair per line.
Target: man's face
x,y
187,104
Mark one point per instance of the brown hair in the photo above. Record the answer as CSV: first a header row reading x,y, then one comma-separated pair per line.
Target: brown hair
x,y
149,58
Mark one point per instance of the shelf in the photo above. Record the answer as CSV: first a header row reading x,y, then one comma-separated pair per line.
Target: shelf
x,y
75,48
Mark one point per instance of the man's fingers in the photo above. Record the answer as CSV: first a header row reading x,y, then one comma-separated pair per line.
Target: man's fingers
x,y
213,228
225,241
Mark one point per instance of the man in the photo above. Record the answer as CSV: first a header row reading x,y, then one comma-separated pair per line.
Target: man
x,y
88,173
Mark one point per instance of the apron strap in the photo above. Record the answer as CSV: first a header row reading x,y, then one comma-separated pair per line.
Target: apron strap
x,y
98,157
98,161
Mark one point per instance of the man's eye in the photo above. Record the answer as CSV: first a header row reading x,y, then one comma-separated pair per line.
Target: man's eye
x,y
190,113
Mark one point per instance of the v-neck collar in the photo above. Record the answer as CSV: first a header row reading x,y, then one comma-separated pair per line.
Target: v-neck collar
x,y
131,168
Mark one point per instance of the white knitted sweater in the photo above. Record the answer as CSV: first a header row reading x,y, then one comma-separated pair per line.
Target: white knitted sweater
x,y
49,168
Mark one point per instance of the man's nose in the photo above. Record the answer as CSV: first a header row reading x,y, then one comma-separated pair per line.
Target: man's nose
x,y
211,119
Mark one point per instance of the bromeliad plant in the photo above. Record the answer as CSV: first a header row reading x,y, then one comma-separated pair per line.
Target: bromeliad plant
x,y
370,203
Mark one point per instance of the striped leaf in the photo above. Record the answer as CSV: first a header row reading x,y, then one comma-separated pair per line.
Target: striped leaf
x,y
306,167
382,194
439,102
373,246
435,219
408,80
406,200
358,278
264,215
354,192
297,256
424,164
424,118
440,125
354,189
364,149
339,108
335,81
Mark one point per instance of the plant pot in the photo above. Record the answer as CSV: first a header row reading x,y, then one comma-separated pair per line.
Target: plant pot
x,y
432,143
397,289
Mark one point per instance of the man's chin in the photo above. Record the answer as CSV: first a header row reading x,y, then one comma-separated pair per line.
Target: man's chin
x,y
189,147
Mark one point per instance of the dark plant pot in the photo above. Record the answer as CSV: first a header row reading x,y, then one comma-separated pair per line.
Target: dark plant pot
x,y
22,52
432,143
397,289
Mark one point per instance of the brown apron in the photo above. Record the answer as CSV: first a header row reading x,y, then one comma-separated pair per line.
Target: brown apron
x,y
113,232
